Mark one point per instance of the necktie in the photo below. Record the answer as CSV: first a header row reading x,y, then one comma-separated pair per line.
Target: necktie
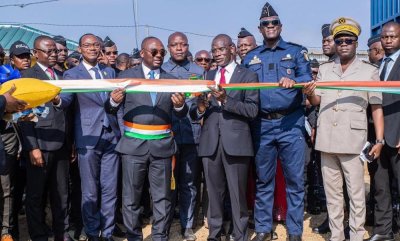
x,y
153,95
384,70
104,95
51,73
222,79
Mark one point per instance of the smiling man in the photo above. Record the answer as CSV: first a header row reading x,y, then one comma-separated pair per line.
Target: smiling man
x,y
278,132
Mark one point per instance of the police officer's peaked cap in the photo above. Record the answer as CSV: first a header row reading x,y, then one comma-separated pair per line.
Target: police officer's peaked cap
x,y
345,25
268,11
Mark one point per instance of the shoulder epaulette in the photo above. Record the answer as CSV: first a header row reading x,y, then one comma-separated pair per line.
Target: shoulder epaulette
x,y
298,45
329,61
367,62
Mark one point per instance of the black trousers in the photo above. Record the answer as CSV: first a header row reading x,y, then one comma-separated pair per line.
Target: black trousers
x,y
221,171
134,172
53,177
389,161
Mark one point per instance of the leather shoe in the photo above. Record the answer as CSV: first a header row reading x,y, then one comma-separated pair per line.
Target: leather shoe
x,y
265,236
188,234
323,228
262,237
118,232
294,237
382,237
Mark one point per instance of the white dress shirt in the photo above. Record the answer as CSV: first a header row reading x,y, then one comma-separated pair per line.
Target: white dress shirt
x,y
228,72
44,68
88,67
390,65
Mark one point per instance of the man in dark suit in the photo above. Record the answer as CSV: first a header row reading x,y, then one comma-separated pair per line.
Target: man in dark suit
x,y
225,141
389,159
147,145
96,135
44,147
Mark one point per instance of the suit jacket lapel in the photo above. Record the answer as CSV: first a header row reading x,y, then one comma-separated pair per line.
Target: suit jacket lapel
x,y
211,76
146,96
235,77
40,73
394,70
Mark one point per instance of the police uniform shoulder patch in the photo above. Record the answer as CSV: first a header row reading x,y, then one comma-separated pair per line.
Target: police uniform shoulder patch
x,y
304,52
367,62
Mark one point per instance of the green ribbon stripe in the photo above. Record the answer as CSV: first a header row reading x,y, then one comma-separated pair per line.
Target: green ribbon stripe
x,y
147,137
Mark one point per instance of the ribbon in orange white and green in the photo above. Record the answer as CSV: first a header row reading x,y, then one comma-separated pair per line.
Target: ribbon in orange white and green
x,y
198,86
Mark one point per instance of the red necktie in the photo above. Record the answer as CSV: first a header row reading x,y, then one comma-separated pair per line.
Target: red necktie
x,y
222,79
51,72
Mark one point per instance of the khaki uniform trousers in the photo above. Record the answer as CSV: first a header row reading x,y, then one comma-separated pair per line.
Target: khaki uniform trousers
x,y
335,169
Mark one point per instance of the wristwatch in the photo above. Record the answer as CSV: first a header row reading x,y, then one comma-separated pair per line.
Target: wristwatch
x,y
380,142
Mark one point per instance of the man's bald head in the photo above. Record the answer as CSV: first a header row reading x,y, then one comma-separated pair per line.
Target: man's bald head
x,y
146,41
177,34
223,37
40,39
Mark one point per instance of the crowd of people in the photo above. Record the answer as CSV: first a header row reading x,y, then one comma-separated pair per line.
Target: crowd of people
x,y
234,159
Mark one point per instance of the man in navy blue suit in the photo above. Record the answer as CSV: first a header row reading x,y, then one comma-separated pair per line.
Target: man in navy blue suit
x,y
96,135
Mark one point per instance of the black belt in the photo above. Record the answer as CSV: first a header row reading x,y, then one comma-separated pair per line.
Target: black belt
x,y
275,115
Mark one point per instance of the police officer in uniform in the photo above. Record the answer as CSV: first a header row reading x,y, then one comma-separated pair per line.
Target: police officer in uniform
x,y
279,130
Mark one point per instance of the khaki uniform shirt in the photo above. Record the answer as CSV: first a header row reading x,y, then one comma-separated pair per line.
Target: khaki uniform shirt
x,y
342,121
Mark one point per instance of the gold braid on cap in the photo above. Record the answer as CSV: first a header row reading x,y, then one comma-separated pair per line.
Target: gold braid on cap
x,y
344,24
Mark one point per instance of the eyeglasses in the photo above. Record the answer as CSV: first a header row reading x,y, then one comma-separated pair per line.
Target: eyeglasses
x,y
347,41
94,45
154,52
266,23
111,52
49,52
203,60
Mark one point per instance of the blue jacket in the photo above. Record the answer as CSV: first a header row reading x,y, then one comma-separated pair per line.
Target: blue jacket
x,y
285,60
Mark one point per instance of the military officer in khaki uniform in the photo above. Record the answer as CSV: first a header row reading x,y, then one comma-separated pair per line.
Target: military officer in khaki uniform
x,y
342,129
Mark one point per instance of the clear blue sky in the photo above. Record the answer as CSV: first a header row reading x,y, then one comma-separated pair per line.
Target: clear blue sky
x,y
302,19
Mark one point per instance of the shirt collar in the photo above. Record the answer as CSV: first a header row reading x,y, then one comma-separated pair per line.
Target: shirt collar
x,y
172,65
282,44
146,70
393,56
89,67
229,68
44,68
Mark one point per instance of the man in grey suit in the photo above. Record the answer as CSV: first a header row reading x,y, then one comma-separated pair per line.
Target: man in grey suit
x,y
225,141
96,135
147,145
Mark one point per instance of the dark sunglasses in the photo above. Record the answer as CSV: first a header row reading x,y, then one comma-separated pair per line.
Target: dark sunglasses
x,y
203,60
49,52
347,41
274,22
154,52
111,52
